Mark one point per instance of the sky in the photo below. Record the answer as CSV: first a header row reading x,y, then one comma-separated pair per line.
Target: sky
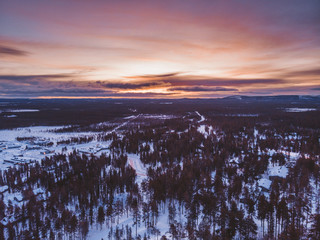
x,y
159,49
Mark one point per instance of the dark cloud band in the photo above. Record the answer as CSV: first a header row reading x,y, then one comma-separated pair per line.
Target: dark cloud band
x,y
203,89
4,50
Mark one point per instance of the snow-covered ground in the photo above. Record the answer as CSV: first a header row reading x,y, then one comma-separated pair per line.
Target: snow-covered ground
x,y
157,116
202,118
279,171
129,119
265,183
43,132
205,130
12,149
103,232
242,115
300,109
162,226
166,103
135,162
31,150
21,110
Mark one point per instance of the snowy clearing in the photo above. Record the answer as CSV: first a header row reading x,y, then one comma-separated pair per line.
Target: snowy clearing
x,y
202,118
300,109
22,110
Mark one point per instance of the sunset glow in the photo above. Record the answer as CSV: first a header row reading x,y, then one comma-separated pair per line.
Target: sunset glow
x,y
159,49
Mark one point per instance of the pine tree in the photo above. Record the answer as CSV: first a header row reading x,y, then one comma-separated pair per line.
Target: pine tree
x,y
315,229
101,215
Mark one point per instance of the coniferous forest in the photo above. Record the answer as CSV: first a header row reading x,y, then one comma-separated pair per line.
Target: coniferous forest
x,y
224,169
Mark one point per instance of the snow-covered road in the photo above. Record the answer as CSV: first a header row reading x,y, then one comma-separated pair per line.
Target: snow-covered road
x,y
201,116
135,162
130,118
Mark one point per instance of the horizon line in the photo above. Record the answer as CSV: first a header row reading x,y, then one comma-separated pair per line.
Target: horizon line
x,y
150,98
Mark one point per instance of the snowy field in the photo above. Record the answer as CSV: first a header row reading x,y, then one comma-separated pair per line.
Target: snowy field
x,y
295,110
35,149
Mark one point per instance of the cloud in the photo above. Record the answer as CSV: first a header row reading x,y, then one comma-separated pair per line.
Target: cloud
x,y
60,85
315,89
4,50
193,81
78,93
155,76
132,86
57,92
304,73
171,84
47,77
223,82
180,79
203,89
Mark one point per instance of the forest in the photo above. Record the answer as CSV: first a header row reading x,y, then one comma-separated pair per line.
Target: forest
x,y
245,171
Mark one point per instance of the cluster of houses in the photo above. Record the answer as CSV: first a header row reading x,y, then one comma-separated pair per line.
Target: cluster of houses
x,y
17,158
93,150
4,146
18,152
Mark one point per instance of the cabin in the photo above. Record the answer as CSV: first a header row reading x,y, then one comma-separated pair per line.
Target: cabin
x,y
32,147
12,146
8,161
46,151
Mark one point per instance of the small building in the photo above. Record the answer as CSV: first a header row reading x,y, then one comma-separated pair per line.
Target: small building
x,y
8,161
28,147
12,146
46,151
